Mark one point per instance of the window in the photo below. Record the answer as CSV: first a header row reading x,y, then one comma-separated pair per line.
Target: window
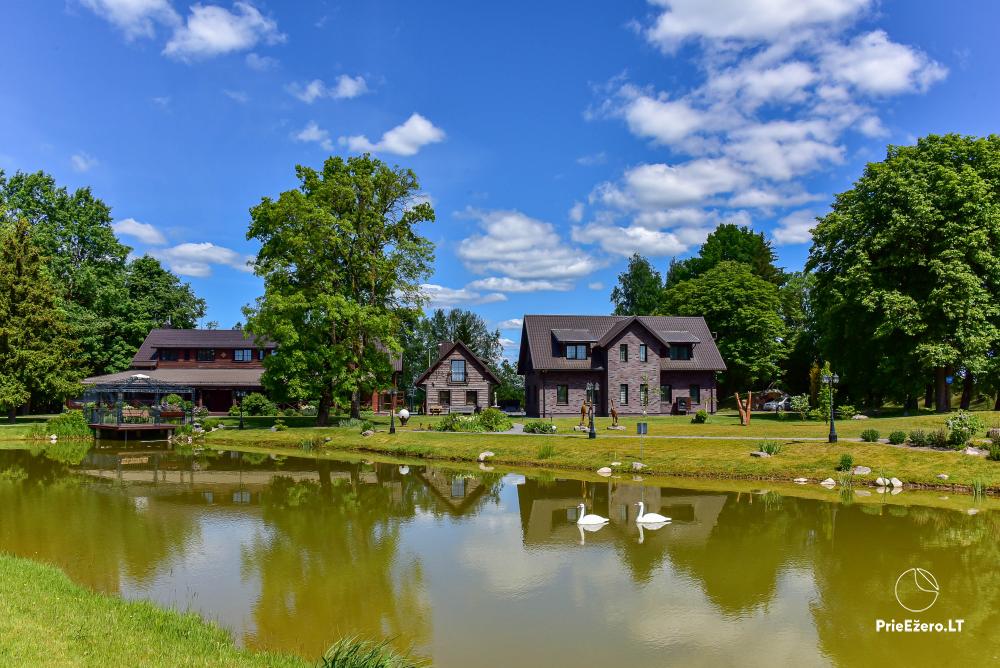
x,y
444,397
242,355
644,395
667,393
680,352
260,354
472,398
206,354
458,371
695,393
562,395
642,352
168,355
623,394
576,352
623,352
187,355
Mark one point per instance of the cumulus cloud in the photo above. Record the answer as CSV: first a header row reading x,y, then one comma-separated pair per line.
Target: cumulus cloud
x,y
406,139
135,18
144,232
516,245
83,162
660,185
345,87
439,296
795,228
255,61
210,30
596,285
508,284
197,259
576,212
512,323
875,64
315,134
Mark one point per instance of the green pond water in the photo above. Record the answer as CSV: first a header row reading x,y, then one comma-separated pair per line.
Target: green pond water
x,y
488,568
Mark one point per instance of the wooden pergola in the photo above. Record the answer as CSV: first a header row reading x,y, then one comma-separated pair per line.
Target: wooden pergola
x,y
135,404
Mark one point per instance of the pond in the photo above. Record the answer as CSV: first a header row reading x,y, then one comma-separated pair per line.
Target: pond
x,y
488,568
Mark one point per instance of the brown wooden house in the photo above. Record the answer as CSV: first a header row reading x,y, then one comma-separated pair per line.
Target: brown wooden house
x,y
458,382
663,364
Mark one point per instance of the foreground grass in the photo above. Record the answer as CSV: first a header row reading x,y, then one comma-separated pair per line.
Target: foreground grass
x,y
719,458
47,620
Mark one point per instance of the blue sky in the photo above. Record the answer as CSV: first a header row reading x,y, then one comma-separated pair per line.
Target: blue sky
x,y
553,139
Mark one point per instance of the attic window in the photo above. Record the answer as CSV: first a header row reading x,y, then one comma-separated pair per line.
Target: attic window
x,y
576,352
680,351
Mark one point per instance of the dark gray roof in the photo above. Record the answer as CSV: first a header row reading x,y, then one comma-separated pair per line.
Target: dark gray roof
x,y
444,349
249,377
574,335
194,338
538,337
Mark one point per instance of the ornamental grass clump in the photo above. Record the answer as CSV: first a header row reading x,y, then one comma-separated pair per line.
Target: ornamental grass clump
x,y
846,463
919,438
897,437
993,453
870,435
546,451
770,447
354,652
539,427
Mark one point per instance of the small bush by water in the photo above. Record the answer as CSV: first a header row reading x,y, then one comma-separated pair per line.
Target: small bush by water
x,y
770,447
539,427
358,653
490,419
870,435
68,425
846,463
994,452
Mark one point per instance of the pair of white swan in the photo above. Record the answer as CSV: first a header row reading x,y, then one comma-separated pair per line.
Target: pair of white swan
x,y
642,518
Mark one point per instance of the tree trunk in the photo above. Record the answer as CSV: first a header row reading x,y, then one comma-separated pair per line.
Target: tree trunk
x,y
996,404
929,396
356,405
967,385
323,410
12,414
942,395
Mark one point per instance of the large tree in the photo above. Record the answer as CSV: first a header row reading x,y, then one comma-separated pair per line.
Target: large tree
x,y
745,310
36,347
639,289
729,242
908,269
342,265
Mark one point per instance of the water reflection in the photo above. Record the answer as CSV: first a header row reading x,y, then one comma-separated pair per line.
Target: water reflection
x,y
293,553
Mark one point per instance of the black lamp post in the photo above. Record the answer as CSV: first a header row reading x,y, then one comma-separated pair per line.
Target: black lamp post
x,y
831,380
592,389
239,395
392,411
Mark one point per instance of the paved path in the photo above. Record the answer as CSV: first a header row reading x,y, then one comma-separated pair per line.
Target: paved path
x,y
518,430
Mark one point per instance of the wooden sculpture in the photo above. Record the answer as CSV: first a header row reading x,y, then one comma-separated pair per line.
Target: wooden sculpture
x,y
743,408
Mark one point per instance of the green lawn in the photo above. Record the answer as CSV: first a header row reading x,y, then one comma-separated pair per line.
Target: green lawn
x,y
47,620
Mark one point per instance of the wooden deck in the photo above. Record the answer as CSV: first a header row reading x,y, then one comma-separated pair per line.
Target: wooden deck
x,y
163,426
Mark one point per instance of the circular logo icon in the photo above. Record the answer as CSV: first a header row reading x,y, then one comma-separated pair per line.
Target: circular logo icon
x,y
917,589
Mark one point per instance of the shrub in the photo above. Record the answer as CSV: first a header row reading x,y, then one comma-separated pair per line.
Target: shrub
x,y
546,451
816,414
494,419
539,427
279,425
845,411
459,422
963,427
994,452
897,437
71,424
355,423
309,410
234,410
358,653
701,417
870,435
770,447
938,439
846,463
919,438
202,412
173,400
209,424
800,405
256,403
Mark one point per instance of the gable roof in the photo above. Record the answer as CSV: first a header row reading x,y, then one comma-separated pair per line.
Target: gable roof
x,y
541,333
445,349
194,338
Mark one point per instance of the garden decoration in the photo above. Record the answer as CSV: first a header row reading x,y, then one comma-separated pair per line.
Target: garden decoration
x,y
743,408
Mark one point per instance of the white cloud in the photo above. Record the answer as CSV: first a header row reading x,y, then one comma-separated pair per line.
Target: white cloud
x,y
750,86
743,20
625,241
83,162
766,198
439,296
144,232
136,18
210,30
197,259
596,285
871,126
162,101
508,284
236,95
512,323
345,87
795,228
593,159
875,64
519,246
314,133
782,150
576,212
660,185
255,61
664,121
406,139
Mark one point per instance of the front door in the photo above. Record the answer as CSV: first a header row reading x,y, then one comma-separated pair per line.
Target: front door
x,y
217,401
472,398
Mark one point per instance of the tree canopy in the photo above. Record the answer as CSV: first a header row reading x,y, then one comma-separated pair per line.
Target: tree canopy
x,y
908,268
729,242
342,264
745,310
639,289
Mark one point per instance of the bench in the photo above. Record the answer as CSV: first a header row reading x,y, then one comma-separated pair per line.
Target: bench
x,y
464,409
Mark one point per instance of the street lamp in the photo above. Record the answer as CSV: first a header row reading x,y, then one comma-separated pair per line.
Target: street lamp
x,y
392,411
240,394
592,390
831,380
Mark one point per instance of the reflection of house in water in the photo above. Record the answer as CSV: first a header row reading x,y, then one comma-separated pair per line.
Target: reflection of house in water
x,y
458,493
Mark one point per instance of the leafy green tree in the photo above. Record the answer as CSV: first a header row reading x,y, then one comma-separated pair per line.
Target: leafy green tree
x,y
342,265
908,269
729,242
639,289
36,347
797,312
511,384
745,310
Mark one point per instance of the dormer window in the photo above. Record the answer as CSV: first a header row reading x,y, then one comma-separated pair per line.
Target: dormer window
x,y
576,351
680,351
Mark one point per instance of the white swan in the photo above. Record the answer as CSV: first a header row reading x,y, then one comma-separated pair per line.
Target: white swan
x,y
649,518
590,519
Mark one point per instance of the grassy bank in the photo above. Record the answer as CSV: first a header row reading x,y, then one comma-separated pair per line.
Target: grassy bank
x,y
47,620
716,457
